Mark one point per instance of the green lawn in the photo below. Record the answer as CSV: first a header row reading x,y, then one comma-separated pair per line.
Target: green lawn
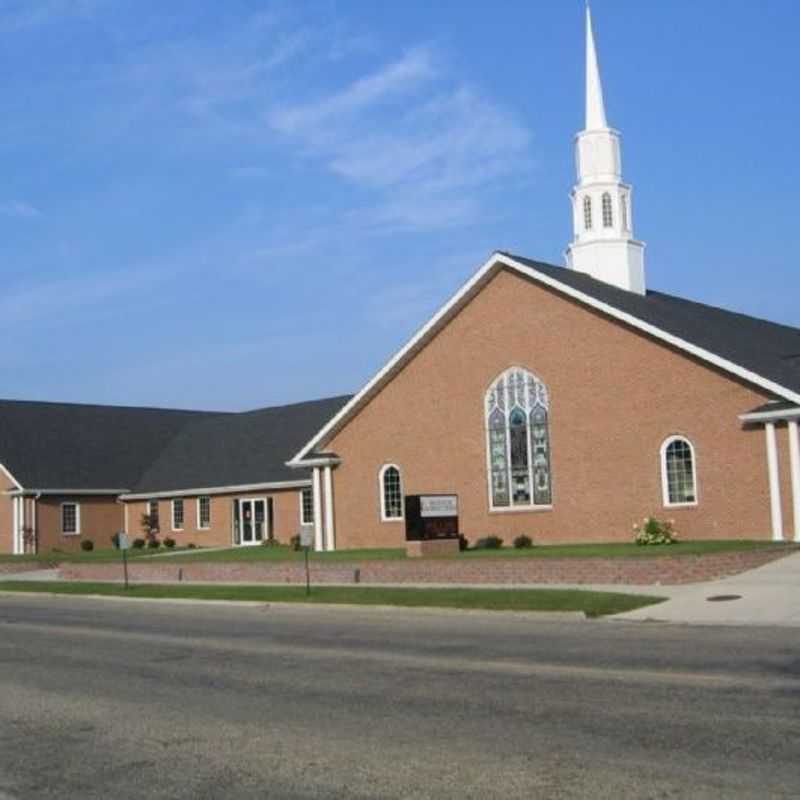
x,y
593,604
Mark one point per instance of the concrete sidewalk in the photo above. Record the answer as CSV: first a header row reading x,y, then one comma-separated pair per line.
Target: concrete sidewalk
x,y
769,595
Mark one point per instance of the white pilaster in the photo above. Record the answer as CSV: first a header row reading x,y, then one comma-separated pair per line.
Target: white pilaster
x,y
330,533
774,483
319,544
794,458
17,523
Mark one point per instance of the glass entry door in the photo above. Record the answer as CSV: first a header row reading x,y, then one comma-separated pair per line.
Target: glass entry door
x,y
253,521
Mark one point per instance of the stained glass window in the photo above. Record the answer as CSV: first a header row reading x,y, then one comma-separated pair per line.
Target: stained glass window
x,y
518,441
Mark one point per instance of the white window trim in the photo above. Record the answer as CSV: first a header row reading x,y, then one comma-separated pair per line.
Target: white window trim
x,y
197,509
303,520
77,531
381,473
172,507
664,480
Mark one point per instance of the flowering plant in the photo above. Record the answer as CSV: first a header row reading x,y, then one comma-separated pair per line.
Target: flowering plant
x,y
655,531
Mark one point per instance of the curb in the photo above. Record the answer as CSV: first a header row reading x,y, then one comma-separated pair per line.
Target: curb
x,y
551,616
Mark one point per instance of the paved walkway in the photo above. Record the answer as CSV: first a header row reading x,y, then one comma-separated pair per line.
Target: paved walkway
x,y
769,595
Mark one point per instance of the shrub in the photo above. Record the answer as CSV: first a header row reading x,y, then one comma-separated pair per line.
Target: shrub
x,y
169,542
191,546
523,542
294,543
154,544
654,531
463,542
87,545
271,543
115,541
489,543
137,544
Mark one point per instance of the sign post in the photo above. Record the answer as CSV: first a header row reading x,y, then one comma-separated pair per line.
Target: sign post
x,y
123,544
306,540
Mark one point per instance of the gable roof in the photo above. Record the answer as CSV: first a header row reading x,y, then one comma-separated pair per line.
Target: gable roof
x,y
237,449
72,446
65,446
762,353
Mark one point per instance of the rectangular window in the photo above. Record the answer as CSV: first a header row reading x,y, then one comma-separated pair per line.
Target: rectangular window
x,y
203,513
70,519
152,513
307,506
177,515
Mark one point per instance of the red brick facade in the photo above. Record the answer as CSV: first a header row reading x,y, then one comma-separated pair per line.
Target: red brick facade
x,y
616,395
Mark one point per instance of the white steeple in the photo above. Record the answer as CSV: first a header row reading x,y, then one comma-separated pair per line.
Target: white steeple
x,y
603,246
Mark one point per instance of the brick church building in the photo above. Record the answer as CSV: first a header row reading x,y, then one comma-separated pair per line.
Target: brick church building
x,y
564,403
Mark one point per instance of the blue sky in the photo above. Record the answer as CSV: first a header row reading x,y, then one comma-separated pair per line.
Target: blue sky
x,y
232,205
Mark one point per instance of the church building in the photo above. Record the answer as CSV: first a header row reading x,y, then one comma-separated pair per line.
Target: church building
x,y
560,402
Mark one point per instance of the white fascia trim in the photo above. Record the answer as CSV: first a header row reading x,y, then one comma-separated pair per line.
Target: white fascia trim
x,y
325,461
771,416
248,487
499,260
7,473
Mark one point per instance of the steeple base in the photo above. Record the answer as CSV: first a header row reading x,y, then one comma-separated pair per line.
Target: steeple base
x,y
620,263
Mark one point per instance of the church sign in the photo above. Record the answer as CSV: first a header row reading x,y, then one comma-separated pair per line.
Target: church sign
x,y
431,516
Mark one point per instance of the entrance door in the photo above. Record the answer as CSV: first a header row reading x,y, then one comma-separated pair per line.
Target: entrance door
x,y
252,521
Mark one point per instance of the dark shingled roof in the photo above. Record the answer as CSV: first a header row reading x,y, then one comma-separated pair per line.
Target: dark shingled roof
x,y
765,348
70,446
238,449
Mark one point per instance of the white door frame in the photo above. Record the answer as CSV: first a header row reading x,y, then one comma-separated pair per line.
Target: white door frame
x,y
266,531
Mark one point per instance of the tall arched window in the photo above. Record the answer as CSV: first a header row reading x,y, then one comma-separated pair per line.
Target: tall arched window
x,y
518,441
391,489
678,472
624,208
587,212
608,212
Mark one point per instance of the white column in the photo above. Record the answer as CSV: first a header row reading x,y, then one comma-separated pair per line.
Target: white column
x,y
330,533
774,483
34,510
794,458
319,544
16,524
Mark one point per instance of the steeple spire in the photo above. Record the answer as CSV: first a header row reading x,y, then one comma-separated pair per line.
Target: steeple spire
x,y
603,245
595,106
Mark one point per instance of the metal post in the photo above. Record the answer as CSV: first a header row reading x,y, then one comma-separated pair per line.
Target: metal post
x,y
125,567
308,574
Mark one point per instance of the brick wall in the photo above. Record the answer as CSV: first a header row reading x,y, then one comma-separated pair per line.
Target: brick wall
x,y
668,570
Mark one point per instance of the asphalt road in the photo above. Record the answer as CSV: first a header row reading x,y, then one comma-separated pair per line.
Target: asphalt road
x,y
103,699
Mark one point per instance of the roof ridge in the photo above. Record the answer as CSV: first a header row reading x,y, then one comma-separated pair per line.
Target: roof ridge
x,y
71,404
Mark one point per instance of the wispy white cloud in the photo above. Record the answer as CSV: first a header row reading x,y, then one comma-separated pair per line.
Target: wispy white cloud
x,y
415,134
19,210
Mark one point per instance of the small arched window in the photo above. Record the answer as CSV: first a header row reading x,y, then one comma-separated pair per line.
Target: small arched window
x,y
518,441
587,213
391,489
678,472
608,212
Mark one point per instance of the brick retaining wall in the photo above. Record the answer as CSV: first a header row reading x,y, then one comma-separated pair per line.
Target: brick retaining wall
x,y
667,570
10,568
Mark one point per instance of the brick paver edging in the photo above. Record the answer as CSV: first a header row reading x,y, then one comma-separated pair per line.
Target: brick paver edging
x,y
667,570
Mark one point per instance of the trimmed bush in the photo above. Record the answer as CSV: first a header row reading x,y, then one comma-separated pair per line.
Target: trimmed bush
x,y
654,531
489,543
154,544
463,542
271,543
115,541
294,543
87,545
191,546
169,542
137,544
523,542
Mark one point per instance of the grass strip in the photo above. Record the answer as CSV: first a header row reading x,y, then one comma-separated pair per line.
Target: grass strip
x,y
593,604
